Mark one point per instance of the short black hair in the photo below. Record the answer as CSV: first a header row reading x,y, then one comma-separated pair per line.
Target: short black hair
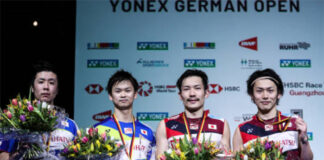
x,y
275,78
40,66
120,76
193,72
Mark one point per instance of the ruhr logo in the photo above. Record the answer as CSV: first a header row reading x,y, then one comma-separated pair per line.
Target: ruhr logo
x,y
251,43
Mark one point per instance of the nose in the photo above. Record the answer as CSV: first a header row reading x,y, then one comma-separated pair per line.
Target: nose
x,y
265,95
192,93
122,94
46,86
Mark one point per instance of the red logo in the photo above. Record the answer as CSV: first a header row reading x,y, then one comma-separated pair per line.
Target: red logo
x,y
145,88
212,126
251,43
94,88
101,116
143,131
215,88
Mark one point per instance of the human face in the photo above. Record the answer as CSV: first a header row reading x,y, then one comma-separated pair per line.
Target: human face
x,y
265,95
123,95
193,93
45,86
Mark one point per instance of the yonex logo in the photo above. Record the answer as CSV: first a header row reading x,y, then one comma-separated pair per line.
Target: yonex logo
x,y
295,63
152,45
103,63
199,63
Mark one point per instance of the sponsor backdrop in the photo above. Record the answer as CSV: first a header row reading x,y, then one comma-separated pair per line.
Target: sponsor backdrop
x,y
228,39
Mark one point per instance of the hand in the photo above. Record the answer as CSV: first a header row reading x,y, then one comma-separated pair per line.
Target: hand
x,y
301,126
302,129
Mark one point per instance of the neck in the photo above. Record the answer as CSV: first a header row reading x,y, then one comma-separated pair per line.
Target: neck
x,y
268,115
195,114
124,115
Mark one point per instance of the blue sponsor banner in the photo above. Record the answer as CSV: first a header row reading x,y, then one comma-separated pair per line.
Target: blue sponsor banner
x,y
151,116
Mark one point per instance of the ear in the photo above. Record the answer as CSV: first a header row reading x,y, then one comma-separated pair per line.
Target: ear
x,y
135,96
110,97
180,97
279,96
207,93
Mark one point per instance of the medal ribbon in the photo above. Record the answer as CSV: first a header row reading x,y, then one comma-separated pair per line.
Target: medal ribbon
x,y
201,126
129,155
279,122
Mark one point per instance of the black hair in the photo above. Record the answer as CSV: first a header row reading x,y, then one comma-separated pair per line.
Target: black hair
x,y
193,72
119,76
275,78
41,66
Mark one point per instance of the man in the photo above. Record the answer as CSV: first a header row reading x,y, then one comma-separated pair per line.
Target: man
x,y
194,122
137,138
45,88
265,89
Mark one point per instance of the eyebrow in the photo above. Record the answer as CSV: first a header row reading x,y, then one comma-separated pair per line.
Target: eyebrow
x,y
264,88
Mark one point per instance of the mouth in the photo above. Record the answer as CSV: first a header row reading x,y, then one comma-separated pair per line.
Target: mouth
x,y
192,101
45,94
265,102
123,100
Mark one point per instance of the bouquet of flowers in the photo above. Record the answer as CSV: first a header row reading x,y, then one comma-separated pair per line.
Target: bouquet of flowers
x,y
29,123
90,145
192,150
261,150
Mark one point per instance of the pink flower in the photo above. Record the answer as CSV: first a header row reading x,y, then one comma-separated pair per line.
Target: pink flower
x,y
104,136
9,115
90,131
96,130
194,141
178,152
85,139
14,102
30,108
162,157
196,150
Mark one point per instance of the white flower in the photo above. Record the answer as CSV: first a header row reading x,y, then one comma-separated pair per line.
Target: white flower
x,y
251,150
245,157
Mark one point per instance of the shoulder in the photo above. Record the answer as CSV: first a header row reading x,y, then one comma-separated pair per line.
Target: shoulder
x,y
213,117
105,122
72,123
172,118
144,126
249,121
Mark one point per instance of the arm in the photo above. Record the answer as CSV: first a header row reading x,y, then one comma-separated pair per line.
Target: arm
x,y
237,140
305,149
161,140
4,155
225,141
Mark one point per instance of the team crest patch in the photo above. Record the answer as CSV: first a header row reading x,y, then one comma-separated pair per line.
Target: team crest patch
x,y
212,126
268,127
194,126
65,123
128,130
143,131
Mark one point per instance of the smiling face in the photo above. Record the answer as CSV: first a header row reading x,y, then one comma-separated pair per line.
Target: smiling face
x,y
193,93
265,95
123,95
45,86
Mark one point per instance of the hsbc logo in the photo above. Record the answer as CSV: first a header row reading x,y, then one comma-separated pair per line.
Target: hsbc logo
x,y
94,88
215,88
251,43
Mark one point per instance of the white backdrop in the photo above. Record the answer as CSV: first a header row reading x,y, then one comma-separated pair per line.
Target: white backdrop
x,y
158,42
